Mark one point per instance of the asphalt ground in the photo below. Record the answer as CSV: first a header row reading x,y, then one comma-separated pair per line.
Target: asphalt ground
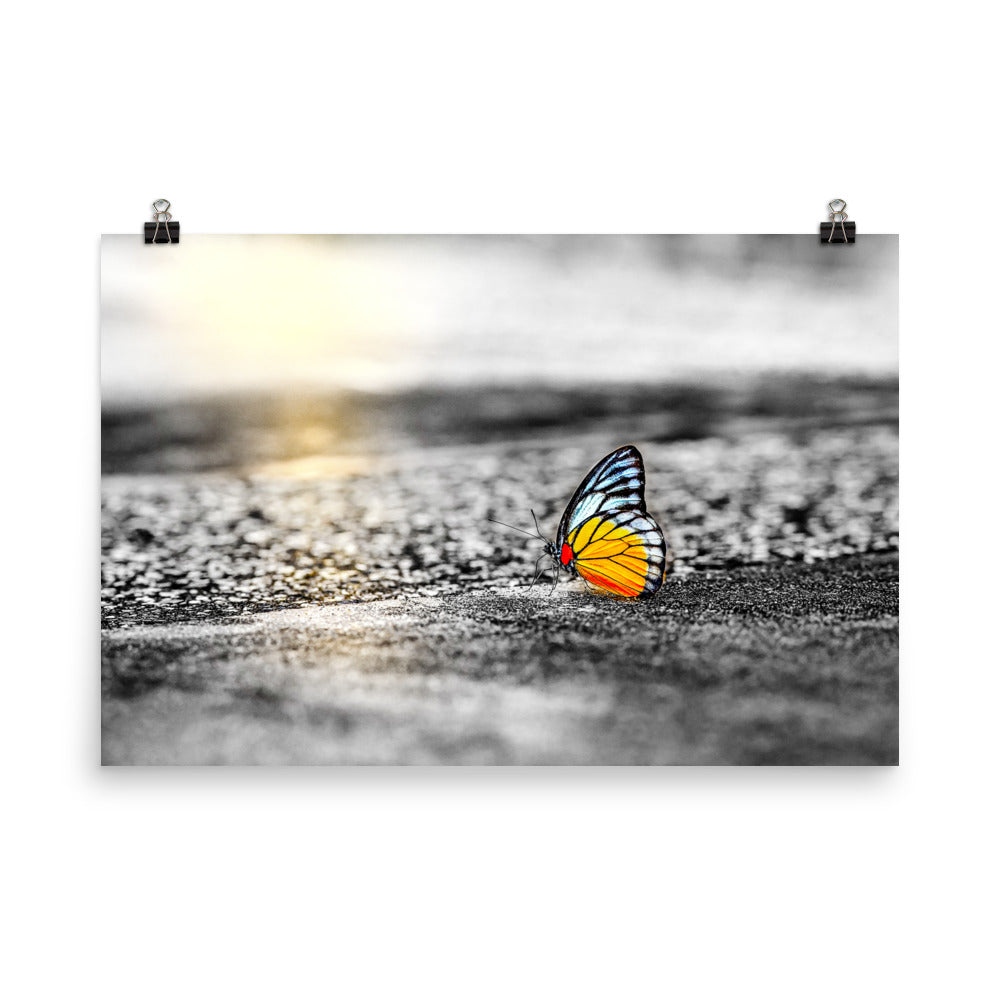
x,y
317,581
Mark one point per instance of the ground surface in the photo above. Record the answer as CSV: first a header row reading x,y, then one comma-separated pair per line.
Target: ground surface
x,y
276,594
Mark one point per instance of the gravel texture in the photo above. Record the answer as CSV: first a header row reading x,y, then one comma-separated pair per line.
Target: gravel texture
x,y
274,591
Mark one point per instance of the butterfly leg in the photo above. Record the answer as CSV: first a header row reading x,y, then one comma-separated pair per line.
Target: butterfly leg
x,y
538,572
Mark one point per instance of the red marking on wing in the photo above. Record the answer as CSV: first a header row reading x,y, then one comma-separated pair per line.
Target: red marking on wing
x,y
566,556
607,584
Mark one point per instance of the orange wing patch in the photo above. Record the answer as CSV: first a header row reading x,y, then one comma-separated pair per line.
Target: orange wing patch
x,y
611,556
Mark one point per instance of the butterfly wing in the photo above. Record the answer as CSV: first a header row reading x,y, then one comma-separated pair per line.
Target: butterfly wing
x,y
605,530
617,482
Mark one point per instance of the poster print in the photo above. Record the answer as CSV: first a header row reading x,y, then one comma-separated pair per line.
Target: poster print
x,y
499,500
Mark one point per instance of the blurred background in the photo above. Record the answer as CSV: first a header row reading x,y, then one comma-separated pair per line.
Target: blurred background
x,y
234,349
221,313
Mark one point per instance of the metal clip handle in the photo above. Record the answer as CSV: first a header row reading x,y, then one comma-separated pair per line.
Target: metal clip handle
x,y
161,217
837,214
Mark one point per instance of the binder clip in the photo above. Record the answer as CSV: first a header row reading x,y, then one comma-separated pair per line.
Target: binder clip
x,y
829,231
161,229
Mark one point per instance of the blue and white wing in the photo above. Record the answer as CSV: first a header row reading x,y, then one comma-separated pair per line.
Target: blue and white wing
x,y
616,483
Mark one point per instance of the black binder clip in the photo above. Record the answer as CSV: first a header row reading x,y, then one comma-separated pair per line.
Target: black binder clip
x,y
828,231
161,229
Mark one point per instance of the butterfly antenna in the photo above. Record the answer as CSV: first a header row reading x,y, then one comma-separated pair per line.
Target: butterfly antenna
x,y
513,527
538,530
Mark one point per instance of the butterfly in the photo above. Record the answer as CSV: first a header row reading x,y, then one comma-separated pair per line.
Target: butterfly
x,y
605,535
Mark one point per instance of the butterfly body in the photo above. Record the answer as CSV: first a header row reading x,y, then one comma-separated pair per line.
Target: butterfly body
x,y
606,537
